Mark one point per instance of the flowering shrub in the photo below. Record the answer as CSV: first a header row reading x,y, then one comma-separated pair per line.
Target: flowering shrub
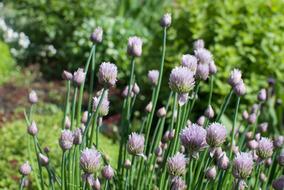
x,y
172,153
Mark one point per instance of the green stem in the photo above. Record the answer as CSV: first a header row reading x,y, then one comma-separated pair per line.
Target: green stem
x,y
66,110
63,171
92,78
234,125
38,162
74,106
97,135
22,181
225,105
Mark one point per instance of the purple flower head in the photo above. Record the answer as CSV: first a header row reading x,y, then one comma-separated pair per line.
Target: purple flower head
x,y
223,162
32,97
235,77
107,74
242,165
43,160
66,140
202,71
25,169
240,88
153,76
203,56
90,160
166,20
79,76
108,172
280,158
278,142
265,148
77,134
190,62
212,68
67,75
263,127
181,80
134,47
32,129
135,145
262,95
104,107
193,138
198,44
216,134
97,35
209,112
177,164
177,183
162,112
278,184
211,173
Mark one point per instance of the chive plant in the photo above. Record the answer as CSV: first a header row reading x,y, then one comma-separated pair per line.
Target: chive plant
x,y
179,154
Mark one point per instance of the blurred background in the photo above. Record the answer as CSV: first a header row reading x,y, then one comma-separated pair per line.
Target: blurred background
x,y
40,38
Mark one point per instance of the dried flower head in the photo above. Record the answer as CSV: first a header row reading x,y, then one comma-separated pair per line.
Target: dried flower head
x,y
32,97
107,74
79,76
108,172
278,184
211,173
66,140
193,138
135,144
25,169
90,160
265,148
198,44
235,77
190,62
67,75
103,109
203,56
209,112
262,95
242,165
153,76
216,134
134,47
177,183
43,160
166,20
177,164
97,35
32,129
181,80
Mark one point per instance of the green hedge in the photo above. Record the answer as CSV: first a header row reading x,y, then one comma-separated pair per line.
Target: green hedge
x,y
7,63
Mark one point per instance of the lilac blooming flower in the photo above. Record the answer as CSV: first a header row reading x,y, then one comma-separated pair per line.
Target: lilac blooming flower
x,y
32,97
265,148
203,56
278,184
235,77
90,160
153,76
104,107
97,35
177,164
25,169
135,144
190,62
166,20
134,47
216,134
66,140
181,80
79,76
177,183
198,44
193,138
202,71
242,165
32,129
107,74
107,172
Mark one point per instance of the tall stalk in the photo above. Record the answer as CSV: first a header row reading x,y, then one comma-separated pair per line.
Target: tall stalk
x,y
234,125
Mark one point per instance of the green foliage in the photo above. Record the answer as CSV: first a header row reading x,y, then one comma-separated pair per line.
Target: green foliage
x,y
7,63
243,34
14,143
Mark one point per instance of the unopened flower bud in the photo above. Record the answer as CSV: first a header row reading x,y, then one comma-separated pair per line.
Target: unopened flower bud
x,y
153,76
252,118
177,183
209,112
268,162
32,129
198,44
25,169
252,144
43,160
134,47
202,71
171,134
32,97
201,120
125,92
97,184
97,35
262,95
249,135
158,151
263,127
67,75
149,107
245,115
211,173
79,77
108,172
67,122
278,142
262,177
166,20
212,68
257,136
77,136
166,137
162,112
223,162
240,88
85,117
127,164
136,89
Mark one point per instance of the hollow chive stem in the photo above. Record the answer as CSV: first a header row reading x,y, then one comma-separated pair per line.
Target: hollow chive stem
x,y
92,78
74,106
225,105
234,125
67,97
22,182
